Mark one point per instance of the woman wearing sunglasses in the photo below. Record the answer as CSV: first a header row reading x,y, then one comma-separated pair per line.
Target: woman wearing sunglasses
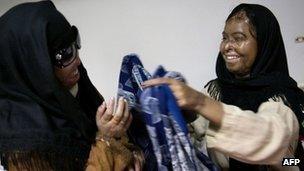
x,y
51,116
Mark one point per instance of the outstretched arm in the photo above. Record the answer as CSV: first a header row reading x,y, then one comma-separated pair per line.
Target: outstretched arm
x,y
190,99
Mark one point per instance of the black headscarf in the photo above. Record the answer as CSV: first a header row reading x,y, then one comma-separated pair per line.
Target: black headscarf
x,y
269,76
39,118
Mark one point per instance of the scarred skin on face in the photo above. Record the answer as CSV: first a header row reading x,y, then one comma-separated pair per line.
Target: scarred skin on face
x,y
69,75
238,47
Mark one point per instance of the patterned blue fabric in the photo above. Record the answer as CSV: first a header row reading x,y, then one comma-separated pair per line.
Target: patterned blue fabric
x,y
132,74
158,126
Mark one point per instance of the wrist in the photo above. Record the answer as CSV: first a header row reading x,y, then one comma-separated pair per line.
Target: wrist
x,y
103,138
201,101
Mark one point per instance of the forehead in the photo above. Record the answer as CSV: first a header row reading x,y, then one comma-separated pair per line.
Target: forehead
x,y
237,26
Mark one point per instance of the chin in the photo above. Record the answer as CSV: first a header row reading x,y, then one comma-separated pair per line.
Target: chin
x,y
233,72
70,85
231,69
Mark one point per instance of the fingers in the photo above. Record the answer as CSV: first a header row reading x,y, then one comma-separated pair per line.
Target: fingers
x,y
179,89
109,110
158,81
113,125
130,168
139,160
126,105
129,121
110,106
122,115
126,115
100,111
175,85
136,164
119,114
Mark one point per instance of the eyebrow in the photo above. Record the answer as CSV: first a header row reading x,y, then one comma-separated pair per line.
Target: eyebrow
x,y
234,33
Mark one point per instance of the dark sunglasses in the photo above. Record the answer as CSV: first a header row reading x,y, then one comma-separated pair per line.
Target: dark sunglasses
x,y
66,56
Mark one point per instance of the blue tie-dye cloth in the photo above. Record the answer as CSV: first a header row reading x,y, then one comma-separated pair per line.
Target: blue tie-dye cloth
x,y
158,126
131,76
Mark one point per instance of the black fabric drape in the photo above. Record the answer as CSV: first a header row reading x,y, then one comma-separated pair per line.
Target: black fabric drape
x,y
38,117
269,76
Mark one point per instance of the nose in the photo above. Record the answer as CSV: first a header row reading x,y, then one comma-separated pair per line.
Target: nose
x,y
229,45
78,61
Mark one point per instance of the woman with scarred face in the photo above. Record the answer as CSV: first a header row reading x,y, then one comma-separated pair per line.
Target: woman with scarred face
x,y
51,116
250,114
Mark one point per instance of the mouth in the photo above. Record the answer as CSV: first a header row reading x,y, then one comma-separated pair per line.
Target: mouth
x,y
76,72
75,76
232,58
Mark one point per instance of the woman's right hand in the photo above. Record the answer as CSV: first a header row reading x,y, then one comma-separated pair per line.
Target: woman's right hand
x,y
186,97
113,123
191,99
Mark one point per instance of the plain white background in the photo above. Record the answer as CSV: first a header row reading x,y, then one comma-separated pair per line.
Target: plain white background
x,y
181,35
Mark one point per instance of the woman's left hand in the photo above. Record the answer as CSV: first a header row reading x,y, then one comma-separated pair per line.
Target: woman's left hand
x,y
113,124
139,160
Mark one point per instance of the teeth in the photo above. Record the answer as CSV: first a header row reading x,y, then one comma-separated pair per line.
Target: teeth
x,y
232,57
76,72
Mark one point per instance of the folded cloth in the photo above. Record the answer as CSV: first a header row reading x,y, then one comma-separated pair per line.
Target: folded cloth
x,y
132,74
158,126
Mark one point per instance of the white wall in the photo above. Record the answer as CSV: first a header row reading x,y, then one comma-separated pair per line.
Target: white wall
x,y
181,35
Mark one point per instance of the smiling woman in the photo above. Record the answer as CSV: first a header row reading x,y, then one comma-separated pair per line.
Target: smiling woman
x,y
239,45
253,107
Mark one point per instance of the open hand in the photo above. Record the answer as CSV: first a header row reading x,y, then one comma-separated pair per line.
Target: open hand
x,y
187,97
113,123
190,99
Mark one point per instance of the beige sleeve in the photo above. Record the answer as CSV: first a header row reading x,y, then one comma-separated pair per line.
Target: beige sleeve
x,y
264,137
113,155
